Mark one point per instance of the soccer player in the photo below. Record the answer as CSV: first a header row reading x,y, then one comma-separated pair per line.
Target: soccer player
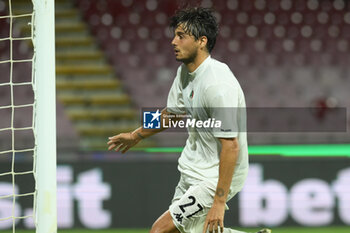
x,y
214,163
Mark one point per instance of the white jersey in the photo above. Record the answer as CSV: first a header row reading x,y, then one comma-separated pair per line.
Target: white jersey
x,y
203,94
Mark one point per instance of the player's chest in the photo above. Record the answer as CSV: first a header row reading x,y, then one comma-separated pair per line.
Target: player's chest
x,y
193,96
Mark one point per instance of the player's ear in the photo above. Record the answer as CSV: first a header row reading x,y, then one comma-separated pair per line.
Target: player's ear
x,y
203,40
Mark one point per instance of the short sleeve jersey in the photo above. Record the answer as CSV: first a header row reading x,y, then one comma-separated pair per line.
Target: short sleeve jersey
x,y
211,91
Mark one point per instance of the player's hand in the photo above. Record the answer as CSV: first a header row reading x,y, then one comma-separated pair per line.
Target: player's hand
x,y
122,142
215,218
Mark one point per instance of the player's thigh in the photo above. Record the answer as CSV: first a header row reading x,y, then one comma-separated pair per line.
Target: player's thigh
x,y
164,224
189,212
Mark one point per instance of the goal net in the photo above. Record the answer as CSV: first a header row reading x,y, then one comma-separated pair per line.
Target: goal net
x,y
27,116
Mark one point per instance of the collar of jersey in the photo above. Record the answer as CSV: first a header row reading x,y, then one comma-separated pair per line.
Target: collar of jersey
x,y
200,68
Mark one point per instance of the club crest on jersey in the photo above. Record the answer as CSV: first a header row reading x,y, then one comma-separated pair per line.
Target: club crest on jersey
x,y
151,119
191,95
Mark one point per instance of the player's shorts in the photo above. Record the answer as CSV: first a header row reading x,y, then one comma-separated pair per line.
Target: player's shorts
x,y
192,202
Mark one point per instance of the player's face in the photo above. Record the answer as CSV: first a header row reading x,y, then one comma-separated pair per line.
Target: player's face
x,y
185,46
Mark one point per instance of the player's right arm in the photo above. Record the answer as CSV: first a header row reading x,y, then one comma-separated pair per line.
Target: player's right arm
x,y
124,141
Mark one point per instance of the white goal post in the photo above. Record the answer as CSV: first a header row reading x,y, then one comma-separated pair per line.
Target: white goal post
x,y
45,116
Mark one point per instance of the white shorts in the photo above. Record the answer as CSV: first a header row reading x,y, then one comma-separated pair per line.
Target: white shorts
x,y
191,203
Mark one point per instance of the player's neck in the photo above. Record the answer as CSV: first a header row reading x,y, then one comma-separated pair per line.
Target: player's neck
x,y
197,61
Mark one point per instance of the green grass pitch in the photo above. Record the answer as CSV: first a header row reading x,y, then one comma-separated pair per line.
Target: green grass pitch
x,y
274,230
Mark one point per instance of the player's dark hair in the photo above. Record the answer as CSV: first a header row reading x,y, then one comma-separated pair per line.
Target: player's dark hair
x,y
198,22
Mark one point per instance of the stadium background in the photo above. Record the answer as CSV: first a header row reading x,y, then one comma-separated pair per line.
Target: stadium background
x,y
113,57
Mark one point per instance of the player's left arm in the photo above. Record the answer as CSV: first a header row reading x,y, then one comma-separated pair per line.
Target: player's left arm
x,y
228,158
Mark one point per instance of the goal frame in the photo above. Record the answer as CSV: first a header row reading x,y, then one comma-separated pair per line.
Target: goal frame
x,y
45,116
